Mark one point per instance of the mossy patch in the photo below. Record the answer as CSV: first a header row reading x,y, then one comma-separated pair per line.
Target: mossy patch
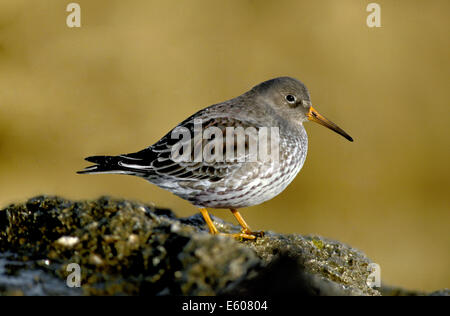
x,y
129,248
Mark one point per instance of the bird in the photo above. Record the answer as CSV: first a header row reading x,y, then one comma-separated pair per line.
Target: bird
x,y
278,107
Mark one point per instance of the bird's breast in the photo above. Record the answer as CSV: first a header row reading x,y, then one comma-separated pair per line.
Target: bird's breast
x,y
256,182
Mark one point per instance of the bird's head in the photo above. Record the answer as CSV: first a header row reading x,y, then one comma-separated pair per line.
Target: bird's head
x,y
290,99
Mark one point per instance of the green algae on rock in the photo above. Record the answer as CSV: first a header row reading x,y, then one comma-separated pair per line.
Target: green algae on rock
x,y
130,248
122,247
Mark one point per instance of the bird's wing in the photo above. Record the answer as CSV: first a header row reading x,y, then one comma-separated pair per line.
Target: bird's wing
x,y
164,158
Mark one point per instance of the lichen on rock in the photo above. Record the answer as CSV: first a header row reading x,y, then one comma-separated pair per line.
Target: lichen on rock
x,y
130,248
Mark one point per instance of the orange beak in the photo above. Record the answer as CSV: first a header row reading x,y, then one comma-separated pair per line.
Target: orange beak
x,y
314,116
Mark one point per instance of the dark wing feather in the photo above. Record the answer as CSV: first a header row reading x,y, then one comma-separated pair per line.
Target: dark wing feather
x,y
156,161
162,164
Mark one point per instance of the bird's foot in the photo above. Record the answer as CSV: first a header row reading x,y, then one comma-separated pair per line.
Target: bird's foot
x,y
245,234
239,236
256,234
252,233
245,228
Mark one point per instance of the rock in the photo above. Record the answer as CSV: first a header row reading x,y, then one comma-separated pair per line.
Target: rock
x,y
129,248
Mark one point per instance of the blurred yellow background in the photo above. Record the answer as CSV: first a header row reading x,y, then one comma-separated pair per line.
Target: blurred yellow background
x,y
137,68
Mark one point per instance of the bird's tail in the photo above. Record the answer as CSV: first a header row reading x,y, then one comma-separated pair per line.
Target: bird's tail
x,y
114,164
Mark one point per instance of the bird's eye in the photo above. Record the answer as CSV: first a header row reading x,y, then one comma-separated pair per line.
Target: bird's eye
x,y
290,98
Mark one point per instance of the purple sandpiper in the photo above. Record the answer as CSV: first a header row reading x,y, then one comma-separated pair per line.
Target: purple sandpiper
x,y
235,181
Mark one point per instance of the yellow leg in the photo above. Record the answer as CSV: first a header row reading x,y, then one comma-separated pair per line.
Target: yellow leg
x,y
245,228
214,231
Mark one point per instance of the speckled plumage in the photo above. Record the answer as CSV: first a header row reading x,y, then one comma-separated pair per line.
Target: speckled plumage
x,y
283,103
